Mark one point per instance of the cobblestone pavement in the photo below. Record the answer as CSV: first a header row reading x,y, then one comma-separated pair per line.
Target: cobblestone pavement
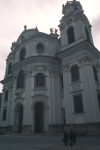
x,y
54,142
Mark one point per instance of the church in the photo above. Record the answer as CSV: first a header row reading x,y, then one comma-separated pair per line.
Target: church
x,y
52,82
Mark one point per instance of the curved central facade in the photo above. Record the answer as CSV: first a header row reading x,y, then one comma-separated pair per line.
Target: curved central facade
x,y
35,81
51,83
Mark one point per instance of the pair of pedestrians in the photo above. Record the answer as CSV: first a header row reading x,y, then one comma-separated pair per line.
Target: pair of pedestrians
x,y
71,137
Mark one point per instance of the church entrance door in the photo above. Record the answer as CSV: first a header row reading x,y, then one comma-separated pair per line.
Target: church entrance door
x,y
18,118
39,117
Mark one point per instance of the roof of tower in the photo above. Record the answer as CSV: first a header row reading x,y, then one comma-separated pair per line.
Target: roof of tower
x,y
75,4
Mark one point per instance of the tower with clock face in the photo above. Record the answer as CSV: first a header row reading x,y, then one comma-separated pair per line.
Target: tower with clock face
x,y
74,25
80,70
52,83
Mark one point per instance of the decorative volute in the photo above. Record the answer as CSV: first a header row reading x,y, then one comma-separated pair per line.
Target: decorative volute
x,y
74,25
13,47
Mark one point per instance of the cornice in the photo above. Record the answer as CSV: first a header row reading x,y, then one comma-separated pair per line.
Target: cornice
x,y
85,60
6,80
84,45
7,88
34,59
54,73
19,99
40,96
40,34
10,57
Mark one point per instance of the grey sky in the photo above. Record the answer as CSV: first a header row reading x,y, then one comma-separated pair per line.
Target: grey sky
x,y
14,14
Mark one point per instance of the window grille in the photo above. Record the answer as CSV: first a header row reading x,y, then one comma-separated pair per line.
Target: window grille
x,y
40,48
20,82
75,73
6,95
62,82
78,104
87,34
39,80
9,69
22,54
95,73
71,35
99,100
4,114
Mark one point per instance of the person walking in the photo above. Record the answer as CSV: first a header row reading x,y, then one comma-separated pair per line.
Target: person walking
x,y
74,137
66,138
29,130
71,138
42,133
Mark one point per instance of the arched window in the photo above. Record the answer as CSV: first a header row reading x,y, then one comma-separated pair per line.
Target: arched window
x,y
71,35
20,81
75,73
62,82
78,104
95,73
6,95
40,80
9,69
22,54
40,48
87,34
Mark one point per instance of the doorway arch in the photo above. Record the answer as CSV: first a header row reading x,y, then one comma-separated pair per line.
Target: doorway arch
x,y
39,117
18,118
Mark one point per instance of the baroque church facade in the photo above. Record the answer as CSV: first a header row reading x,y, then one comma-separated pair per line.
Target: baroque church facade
x,y
52,83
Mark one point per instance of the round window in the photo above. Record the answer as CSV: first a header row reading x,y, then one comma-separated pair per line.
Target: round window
x,y
40,48
22,54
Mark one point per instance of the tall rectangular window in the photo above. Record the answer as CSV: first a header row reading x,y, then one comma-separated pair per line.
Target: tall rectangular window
x,y
4,114
78,107
62,82
99,100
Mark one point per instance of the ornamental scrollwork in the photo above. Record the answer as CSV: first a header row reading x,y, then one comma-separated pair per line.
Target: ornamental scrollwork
x,y
65,68
28,73
3,90
98,67
54,73
15,78
85,60
10,88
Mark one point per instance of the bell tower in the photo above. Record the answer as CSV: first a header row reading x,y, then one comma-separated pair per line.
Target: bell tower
x,y
74,25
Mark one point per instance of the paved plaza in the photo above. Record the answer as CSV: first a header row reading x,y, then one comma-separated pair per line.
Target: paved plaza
x,y
38,142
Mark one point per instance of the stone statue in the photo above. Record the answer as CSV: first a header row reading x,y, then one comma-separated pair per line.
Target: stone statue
x,y
51,30
56,30
25,27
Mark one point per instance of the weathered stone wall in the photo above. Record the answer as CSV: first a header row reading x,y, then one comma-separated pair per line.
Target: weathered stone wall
x,y
89,129
56,128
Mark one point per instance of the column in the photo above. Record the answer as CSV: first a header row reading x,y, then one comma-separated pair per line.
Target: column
x,y
2,103
27,112
12,102
67,94
89,89
8,106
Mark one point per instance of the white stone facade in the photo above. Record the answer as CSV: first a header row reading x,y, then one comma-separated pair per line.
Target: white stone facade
x,y
58,57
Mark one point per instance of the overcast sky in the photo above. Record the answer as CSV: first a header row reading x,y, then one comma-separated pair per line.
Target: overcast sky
x,y
44,14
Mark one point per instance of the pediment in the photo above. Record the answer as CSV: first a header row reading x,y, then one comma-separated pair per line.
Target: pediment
x,y
26,34
19,99
40,96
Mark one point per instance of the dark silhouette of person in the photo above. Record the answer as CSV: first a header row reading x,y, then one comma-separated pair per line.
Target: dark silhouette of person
x,y
66,138
71,138
74,137
42,133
